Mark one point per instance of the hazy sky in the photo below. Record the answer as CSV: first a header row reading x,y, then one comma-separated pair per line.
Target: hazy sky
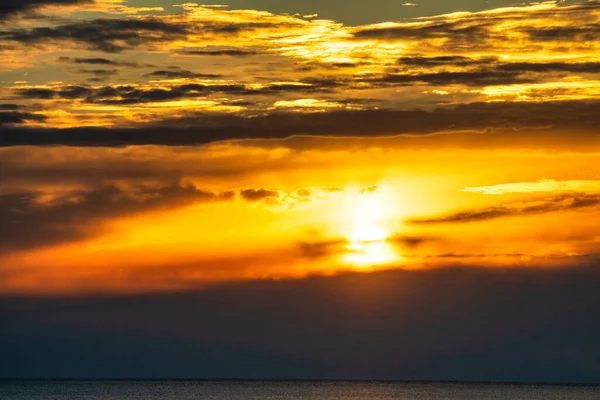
x,y
379,191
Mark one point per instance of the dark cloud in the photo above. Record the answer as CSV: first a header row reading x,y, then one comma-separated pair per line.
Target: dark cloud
x,y
9,107
38,93
468,78
11,7
231,52
586,33
255,195
130,94
462,324
412,242
96,60
179,73
585,67
558,203
15,114
442,29
31,220
108,35
103,61
98,72
580,118
493,64
316,249
17,118
322,248
113,35
420,61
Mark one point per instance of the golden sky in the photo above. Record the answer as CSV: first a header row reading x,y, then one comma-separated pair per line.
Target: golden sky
x,y
165,146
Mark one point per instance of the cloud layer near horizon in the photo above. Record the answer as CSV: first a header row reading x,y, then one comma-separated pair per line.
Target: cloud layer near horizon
x,y
465,323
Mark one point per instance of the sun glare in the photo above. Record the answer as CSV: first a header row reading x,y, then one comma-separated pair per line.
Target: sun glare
x,y
368,239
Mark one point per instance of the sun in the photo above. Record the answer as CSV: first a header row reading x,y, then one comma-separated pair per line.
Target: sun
x,y
368,238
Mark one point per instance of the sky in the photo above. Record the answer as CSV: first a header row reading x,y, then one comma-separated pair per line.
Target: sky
x,y
300,189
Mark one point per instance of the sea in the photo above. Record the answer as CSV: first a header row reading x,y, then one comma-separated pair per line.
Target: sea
x,y
285,390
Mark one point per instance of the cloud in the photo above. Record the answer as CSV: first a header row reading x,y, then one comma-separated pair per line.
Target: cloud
x,y
98,72
115,35
10,7
325,248
587,33
544,185
14,114
133,94
549,23
108,35
321,249
579,117
344,326
469,78
441,29
48,218
102,61
94,60
565,202
179,73
465,57
39,219
581,67
256,195
219,51
494,65
423,61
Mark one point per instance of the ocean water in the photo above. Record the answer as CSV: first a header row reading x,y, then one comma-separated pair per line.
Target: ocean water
x,y
284,390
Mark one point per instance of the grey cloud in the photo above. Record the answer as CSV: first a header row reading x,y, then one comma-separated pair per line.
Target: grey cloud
x,y
14,114
325,248
9,107
104,61
256,195
129,94
468,78
579,117
462,61
108,35
426,31
461,324
98,72
230,52
117,35
95,60
322,248
582,67
586,33
555,204
11,7
27,220
179,73
494,65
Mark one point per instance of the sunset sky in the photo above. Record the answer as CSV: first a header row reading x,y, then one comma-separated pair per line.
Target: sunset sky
x,y
264,175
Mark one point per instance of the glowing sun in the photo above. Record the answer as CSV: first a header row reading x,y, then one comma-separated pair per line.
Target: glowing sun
x,y
368,240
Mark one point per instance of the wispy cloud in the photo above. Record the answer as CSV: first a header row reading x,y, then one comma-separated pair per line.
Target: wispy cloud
x,y
558,203
544,185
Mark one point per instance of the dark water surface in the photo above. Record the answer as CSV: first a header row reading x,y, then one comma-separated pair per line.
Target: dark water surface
x,y
284,390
